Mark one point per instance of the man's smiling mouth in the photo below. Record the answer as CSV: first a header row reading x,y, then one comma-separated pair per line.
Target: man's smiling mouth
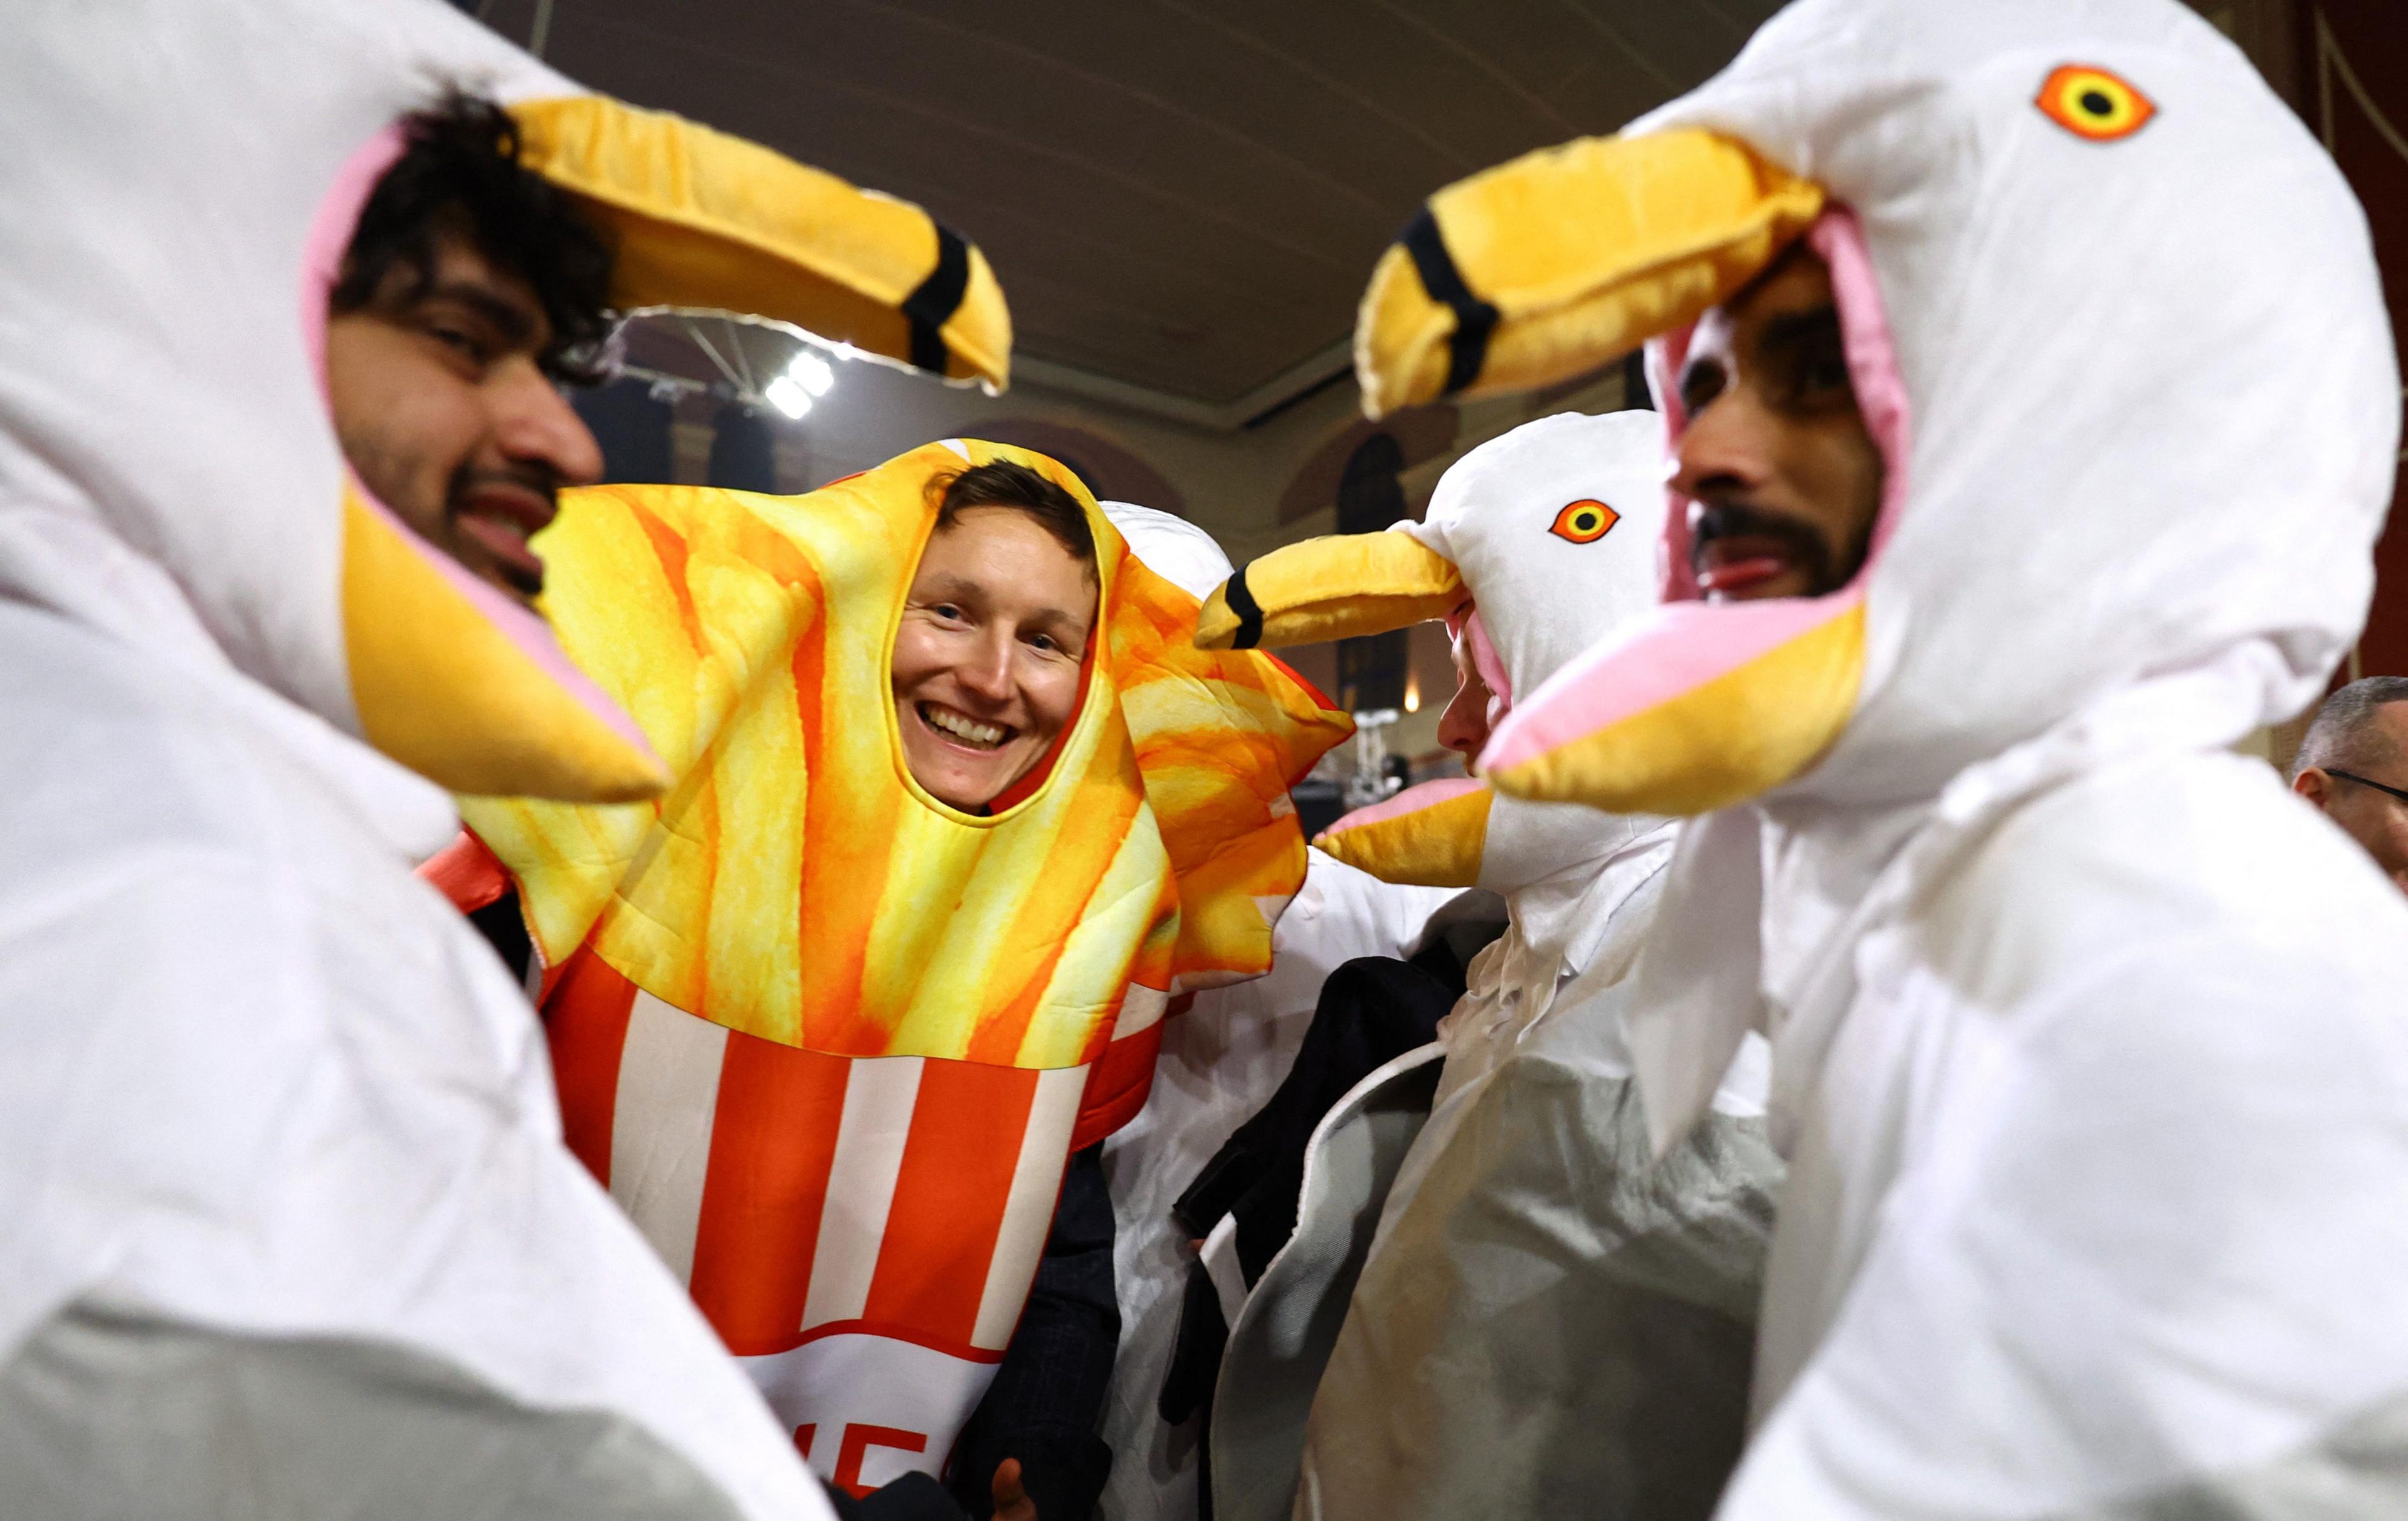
x,y
961,728
499,513
504,543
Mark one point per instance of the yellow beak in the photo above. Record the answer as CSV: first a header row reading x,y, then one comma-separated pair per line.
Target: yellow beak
x,y
710,221
1440,843
1336,587
1543,268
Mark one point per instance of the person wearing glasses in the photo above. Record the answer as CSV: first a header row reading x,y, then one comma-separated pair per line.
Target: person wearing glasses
x,y
2354,764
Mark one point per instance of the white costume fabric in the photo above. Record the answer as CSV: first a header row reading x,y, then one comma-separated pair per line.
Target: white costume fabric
x,y
290,1232
1220,1061
1546,1322
1170,546
2090,1043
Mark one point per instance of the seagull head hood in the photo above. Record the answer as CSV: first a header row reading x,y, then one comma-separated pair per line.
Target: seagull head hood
x,y
168,469
2112,321
1537,544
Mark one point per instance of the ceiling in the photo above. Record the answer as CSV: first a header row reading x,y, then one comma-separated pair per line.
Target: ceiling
x,y
1182,200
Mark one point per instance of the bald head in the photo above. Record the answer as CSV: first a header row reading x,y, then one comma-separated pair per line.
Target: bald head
x,y
2354,764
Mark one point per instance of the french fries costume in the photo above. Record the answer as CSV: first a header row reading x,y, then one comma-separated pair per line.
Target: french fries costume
x,y
2088,1052
828,1040
291,1227
1548,1321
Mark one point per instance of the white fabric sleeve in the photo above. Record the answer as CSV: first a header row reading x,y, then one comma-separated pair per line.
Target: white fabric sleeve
x,y
2147,1246
322,1114
115,1416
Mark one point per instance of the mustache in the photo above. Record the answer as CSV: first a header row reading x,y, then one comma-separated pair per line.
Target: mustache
x,y
1736,519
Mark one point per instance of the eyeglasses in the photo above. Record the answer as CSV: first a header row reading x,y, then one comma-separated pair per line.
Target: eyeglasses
x,y
2351,776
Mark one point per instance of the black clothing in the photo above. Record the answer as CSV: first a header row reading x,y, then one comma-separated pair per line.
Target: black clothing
x,y
914,1497
1371,1010
1048,1397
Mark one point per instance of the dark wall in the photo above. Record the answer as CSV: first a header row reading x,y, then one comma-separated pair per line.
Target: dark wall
x,y
2355,55
743,455
633,429
1371,671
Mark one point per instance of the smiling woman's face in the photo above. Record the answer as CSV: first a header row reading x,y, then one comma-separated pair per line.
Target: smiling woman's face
x,y
987,657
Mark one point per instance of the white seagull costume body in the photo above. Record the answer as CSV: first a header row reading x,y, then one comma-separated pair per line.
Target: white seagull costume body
x,y
1547,1320
2090,1044
290,1229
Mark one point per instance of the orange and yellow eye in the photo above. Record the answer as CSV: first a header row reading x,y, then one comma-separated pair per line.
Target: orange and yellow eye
x,y
1584,521
2093,104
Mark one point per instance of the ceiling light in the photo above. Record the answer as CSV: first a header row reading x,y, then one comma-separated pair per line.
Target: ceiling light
x,y
812,373
787,396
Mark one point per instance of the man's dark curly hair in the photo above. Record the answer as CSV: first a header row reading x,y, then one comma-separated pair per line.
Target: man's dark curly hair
x,y
460,174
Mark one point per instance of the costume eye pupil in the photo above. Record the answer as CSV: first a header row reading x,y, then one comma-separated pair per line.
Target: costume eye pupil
x,y
1584,522
2093,103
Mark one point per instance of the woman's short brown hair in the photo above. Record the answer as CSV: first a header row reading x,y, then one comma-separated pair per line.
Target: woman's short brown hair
x,y
1017,488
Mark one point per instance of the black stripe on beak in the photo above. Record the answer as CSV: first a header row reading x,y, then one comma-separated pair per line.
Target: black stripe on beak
x,y
1250,612
1474,319
932,305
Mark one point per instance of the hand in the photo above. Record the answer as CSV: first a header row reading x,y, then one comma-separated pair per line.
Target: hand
x,y
1012,1503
